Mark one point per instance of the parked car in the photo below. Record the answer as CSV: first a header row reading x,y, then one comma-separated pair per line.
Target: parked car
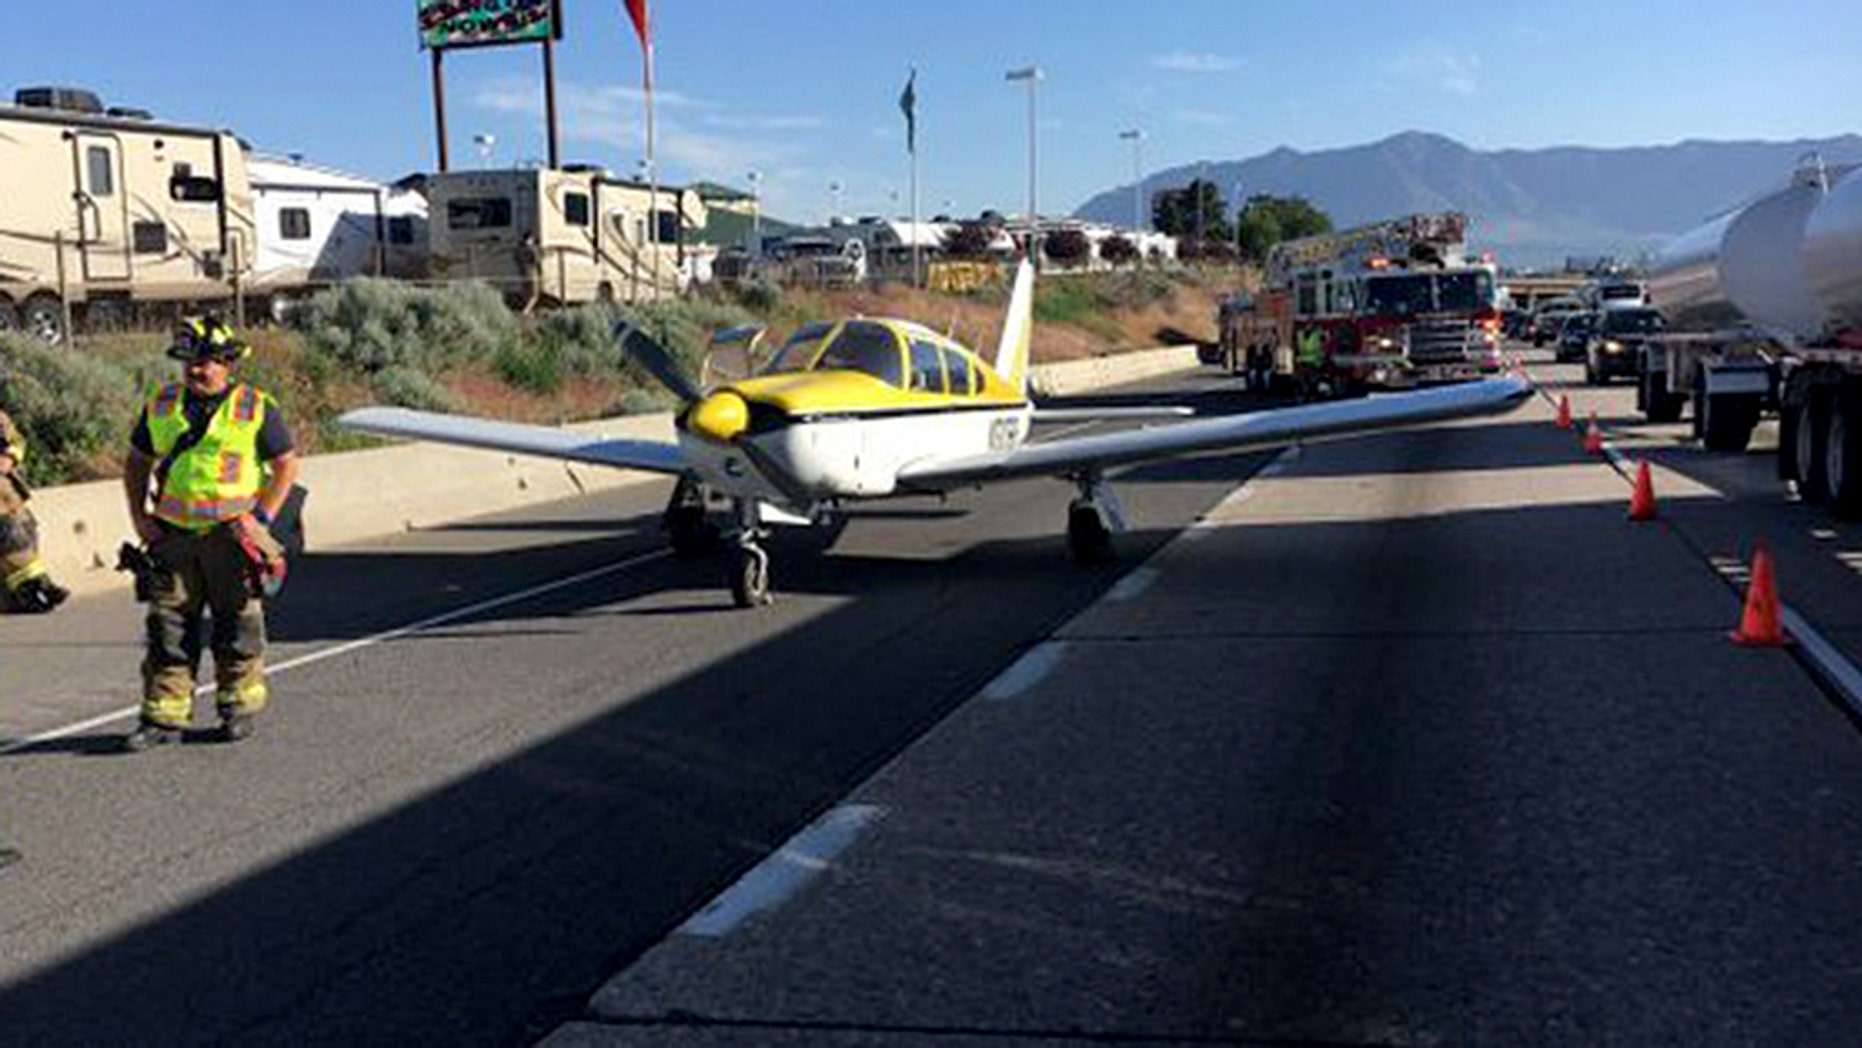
x,y
1550,317
1573,336
1614,344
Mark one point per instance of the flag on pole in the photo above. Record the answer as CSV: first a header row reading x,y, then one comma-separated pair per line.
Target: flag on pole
x,y
908,104
637,10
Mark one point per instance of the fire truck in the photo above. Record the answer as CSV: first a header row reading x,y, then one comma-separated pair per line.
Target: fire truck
x,y
1391,304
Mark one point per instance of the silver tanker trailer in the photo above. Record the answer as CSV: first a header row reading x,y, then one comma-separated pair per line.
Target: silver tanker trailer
x,y
1764,311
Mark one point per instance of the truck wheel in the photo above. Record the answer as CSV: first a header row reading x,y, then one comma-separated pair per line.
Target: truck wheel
x,y
1804,443
1727,425
43,317
1842,455
9,317
1658,404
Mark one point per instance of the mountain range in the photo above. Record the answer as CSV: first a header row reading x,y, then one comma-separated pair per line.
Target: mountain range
x,y
1531,207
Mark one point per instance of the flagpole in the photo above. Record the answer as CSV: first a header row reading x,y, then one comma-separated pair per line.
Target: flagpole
x,y
917,270
652,177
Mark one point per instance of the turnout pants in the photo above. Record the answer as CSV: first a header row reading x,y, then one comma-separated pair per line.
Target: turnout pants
x,y
204,578
19,541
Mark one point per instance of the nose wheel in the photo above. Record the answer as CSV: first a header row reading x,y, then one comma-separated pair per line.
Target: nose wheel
x,y
749,561
1092,517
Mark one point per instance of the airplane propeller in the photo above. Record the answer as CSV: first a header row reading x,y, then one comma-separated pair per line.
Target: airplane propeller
x,y
658,360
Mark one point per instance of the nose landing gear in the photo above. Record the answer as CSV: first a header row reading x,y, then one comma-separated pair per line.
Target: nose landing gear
x,y
1092,517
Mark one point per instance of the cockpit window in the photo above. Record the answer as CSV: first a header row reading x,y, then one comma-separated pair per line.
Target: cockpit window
x,y
799,351
927,367
957,366
863,345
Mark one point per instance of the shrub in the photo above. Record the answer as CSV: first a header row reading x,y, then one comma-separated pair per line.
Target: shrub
x,y
75,410
1066,246
1118,250
411,389
371,325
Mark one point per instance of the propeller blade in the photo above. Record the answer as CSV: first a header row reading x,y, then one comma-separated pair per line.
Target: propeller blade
x,y
657,359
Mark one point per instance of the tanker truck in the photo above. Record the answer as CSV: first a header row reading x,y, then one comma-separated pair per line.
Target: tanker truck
x,y
1764,312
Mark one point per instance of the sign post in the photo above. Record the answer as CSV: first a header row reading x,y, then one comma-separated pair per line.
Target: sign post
x,y
449,24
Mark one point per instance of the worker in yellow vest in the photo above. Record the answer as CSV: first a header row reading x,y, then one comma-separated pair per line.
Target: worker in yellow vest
x,y
210,465
25,585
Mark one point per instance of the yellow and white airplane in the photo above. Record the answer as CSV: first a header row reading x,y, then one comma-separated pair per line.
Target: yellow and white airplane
x,y
870,408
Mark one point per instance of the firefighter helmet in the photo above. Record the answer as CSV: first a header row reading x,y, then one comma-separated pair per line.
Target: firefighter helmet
x,y
208,338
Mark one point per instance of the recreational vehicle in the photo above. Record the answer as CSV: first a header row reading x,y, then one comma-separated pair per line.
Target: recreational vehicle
x,y
550,236
106,213
317,226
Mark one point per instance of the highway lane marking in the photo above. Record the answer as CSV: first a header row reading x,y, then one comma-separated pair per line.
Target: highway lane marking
x,y
784,872
1829,661
1135,582
347,647
1024,673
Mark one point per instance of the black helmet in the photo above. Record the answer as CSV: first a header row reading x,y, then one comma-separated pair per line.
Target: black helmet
x,y
207,338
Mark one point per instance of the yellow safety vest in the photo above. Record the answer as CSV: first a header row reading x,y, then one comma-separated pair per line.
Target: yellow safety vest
x,y
218,479
1312,348
14,440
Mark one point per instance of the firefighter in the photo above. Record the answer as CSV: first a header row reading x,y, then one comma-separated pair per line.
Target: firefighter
x,y
210,465
1312,362
27,585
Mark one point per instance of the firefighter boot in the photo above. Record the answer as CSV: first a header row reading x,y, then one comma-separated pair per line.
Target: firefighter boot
x,y
38,595
149,735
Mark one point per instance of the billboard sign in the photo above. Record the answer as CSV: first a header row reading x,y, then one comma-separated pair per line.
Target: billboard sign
x,y
476,23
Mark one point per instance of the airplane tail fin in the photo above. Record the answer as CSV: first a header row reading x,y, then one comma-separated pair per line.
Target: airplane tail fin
x,y
1018,330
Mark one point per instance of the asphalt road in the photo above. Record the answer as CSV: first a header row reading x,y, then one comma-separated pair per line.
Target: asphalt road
x,y
1416,742
454,835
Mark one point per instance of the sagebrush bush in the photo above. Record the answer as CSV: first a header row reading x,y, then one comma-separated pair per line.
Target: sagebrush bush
x,y
372,325
75,410
405,387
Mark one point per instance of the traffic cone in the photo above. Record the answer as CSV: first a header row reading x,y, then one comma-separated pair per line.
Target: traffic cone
x,y
1642,499
1593,437
1563,420
1761,626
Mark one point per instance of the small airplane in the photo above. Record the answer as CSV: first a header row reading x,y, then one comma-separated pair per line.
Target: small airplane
x,y
865,409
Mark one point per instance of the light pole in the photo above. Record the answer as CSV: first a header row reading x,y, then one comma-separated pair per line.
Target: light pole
x,y
1136,137
756,212
1031,76
833,201
1240,207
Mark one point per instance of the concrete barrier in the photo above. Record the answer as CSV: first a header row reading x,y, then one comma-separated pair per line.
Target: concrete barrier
x,y
357,495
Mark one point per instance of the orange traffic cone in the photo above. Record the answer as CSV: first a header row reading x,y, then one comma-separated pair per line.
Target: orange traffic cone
x,y
1563,420
1761,625
1642,499
1593,437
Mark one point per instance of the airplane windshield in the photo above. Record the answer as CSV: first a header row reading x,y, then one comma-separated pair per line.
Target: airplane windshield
x,y
799,351
863,345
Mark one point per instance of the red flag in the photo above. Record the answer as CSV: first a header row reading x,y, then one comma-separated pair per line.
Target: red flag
x,y
637,10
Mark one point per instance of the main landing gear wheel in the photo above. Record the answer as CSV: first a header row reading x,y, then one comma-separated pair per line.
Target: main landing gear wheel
x,y
688,526
1087,538
750,576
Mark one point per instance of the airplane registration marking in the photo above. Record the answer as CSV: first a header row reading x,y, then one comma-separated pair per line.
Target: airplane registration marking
x,y
1024,673
773,881
360,643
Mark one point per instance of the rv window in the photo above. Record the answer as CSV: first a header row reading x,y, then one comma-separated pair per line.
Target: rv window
x,y
401,230
191,188
668,226
479,213
575,209
102,171
149,238
294,223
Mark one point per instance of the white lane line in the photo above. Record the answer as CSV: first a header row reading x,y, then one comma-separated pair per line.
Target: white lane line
x,y
771,882
364,642
1027,671
1830,662
1135,582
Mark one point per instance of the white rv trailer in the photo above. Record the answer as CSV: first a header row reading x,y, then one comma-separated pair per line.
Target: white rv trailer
x,y
317,226
548,236
105,213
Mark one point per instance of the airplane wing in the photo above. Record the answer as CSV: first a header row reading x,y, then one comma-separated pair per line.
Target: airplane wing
x,y
653,455
1153,413
1233,432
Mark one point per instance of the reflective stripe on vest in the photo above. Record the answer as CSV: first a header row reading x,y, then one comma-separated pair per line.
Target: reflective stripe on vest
x,y
219,478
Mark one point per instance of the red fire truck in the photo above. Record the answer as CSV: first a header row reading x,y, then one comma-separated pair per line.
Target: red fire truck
x,y
1391,304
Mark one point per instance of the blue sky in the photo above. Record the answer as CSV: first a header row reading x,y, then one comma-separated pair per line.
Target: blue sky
x,y
806,91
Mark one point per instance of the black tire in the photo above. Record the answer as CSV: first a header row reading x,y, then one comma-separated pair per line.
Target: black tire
x,y
1088,541
1842,455
9,317
1802,438
1727,425
750,577
1659,405
1591,376
43,318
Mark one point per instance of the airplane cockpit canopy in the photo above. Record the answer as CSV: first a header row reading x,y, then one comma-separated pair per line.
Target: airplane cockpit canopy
x,y
901,354
867,346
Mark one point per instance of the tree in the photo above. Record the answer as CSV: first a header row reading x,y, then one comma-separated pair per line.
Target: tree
x,y
1066,246
1267,220
971,240
1196,211
1118,250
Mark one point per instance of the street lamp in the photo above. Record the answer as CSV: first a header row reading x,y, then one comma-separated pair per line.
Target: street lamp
x,y
485,143
833,201
1136,137
1030,76
756,212
1240,207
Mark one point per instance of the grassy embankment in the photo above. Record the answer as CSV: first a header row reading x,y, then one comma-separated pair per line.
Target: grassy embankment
x,y
460,349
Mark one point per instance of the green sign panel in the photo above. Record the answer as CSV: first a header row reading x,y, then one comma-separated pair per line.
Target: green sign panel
x,y
476,23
